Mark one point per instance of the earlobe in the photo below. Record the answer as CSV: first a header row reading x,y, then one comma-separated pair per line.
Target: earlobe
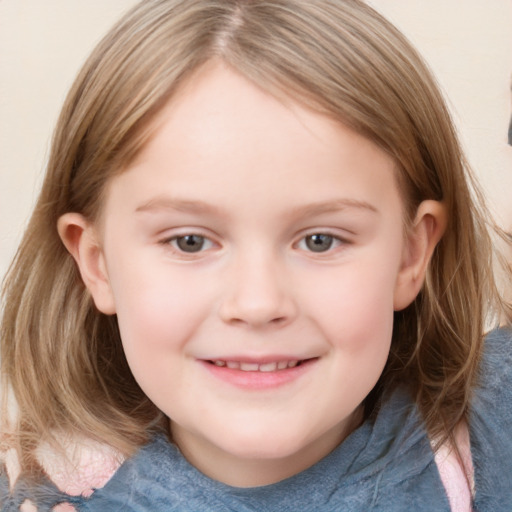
x,y
80,238
427,229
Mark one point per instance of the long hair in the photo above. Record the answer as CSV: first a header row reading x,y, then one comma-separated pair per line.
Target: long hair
x,y
62,360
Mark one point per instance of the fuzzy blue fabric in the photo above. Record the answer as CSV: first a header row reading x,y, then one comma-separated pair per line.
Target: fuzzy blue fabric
x,y
386,465
490,426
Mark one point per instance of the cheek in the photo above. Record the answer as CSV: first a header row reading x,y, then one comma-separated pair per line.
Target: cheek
x,y
358,323
354,308
157,317
157,312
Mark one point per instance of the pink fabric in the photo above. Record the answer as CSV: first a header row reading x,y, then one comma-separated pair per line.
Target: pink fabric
x,y
27,506
88,466
457,475
93,471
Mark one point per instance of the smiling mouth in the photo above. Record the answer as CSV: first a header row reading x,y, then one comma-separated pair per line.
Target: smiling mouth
x,y
256,367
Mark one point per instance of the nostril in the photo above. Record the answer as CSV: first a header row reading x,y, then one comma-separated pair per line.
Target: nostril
x,y
253,317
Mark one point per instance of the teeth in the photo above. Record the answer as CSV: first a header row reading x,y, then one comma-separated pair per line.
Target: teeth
x,y
249,367
269,367
255,367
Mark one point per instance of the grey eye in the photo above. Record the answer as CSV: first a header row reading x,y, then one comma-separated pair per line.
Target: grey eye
x,y
190,243
319,242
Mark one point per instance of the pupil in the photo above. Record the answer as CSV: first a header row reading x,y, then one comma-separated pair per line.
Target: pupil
x,y
190,243
319,243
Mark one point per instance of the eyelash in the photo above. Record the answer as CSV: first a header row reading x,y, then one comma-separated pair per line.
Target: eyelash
x,y
333,242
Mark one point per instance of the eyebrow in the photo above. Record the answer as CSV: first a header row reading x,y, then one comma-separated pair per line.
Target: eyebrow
x,y
333,206
199,207
181,205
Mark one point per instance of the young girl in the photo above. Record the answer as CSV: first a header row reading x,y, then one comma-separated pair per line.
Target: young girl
x,y
256,278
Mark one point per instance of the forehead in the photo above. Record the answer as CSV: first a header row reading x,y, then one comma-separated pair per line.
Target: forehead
x,y
220,135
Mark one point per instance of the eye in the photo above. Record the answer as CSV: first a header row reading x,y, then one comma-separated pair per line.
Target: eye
x,y
190,243
319,242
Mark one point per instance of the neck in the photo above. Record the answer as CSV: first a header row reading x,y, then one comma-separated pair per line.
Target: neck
x,y
253,470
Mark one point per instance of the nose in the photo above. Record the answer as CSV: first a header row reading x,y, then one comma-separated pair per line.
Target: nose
x,y
258,294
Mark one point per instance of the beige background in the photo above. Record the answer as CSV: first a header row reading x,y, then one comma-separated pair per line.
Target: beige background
x,y
468,43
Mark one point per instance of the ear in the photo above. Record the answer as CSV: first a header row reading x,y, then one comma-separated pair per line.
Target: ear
x,y
427,229
81,239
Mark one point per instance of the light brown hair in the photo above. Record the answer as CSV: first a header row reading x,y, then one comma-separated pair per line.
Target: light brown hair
x,y
63,360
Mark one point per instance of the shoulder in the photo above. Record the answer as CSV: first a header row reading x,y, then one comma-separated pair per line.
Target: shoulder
x,y
496,367
493,393
90,476
157,477
84,466
71,475
490,422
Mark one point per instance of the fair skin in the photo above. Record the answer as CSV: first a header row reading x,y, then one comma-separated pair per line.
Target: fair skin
x,y
254,254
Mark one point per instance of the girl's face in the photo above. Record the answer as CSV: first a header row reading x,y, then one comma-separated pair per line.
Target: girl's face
x,y
254,254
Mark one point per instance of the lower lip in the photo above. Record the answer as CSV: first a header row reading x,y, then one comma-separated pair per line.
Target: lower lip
x,y
259,380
